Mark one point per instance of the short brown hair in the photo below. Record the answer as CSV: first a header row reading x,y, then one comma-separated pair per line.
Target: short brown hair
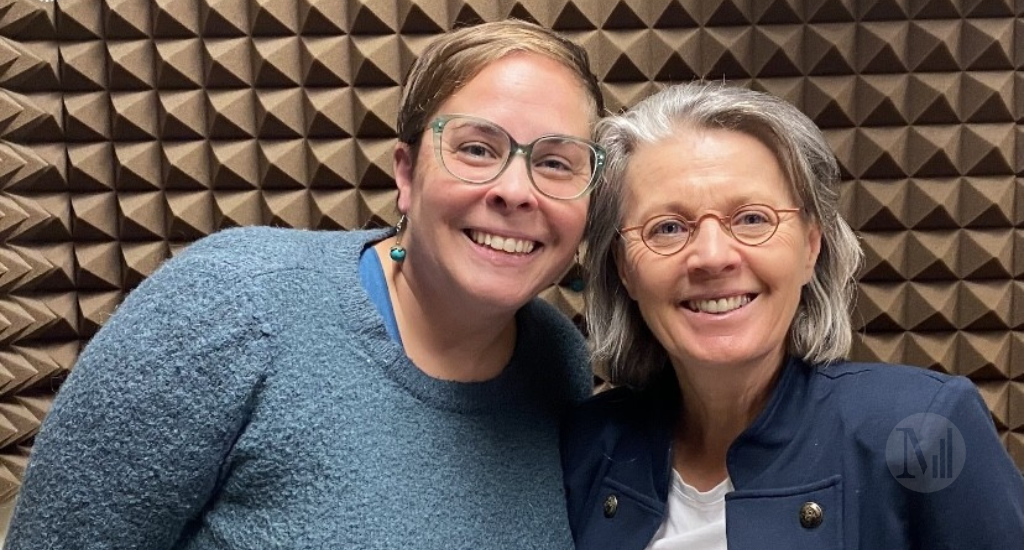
x,y
453,59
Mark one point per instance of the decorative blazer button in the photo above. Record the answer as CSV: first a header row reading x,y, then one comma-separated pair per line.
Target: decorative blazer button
x,y
611,505
811,515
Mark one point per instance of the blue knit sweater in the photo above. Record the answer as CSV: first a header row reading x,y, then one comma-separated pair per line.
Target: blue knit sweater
x,y
247,395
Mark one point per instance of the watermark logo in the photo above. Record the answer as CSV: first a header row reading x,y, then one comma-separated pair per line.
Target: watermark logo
x,y
925,452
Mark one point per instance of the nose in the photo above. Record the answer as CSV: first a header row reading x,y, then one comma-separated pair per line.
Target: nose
x,y
513,190
711,248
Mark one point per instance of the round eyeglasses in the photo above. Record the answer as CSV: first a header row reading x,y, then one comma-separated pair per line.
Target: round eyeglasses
x,y
477,151
750,224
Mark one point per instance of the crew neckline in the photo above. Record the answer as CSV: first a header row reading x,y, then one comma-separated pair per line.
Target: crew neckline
x,y
707,498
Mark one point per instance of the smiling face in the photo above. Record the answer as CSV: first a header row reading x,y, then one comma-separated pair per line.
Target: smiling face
x,y
496,245
716,302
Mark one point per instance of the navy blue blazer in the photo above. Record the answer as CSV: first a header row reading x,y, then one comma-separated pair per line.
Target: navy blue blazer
x,y
816,469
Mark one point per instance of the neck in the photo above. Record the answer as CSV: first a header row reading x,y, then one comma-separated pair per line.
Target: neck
x,y
718,404
444,338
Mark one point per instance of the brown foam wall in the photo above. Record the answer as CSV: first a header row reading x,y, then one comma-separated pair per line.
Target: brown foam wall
x,y
130,128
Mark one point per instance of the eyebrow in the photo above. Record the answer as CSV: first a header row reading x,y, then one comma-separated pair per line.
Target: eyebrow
x,y
491,128
671,207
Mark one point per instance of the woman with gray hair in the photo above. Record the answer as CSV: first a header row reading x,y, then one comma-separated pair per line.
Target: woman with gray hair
x,y
721,277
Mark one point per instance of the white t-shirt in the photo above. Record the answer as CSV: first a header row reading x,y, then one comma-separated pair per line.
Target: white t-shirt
x,y
695,520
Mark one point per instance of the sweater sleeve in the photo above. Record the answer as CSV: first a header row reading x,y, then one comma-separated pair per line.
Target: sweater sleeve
x,y
133,447
983,507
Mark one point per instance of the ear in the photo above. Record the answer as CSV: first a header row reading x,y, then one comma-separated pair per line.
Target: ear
x,y
623,267
403,168
813,249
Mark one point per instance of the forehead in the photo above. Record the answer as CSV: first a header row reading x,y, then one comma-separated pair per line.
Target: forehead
x,y
517,89
703,169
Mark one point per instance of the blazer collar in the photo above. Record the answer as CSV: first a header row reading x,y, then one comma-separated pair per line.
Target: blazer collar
x,y
775,427
772,430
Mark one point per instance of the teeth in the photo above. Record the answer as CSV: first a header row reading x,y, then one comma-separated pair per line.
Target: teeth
x,y
504,244
721,305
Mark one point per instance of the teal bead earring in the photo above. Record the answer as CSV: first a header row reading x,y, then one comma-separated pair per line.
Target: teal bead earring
x,y
398,251
577,283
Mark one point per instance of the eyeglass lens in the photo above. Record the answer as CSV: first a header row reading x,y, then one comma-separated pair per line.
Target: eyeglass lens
x,y
477,151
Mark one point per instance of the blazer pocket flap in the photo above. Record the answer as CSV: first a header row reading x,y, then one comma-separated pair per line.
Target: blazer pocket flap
x,y
619,518
795,518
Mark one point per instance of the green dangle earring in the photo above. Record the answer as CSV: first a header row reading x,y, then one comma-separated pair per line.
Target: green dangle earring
x,y
577,282
397,250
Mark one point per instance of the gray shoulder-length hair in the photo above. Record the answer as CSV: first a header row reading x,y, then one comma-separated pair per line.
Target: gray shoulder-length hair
x,y
624,349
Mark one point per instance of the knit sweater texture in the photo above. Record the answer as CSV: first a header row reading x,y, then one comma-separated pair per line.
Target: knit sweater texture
x,y
248,396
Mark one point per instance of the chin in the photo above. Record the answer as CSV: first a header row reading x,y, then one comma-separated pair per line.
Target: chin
x,y
720,353
501,298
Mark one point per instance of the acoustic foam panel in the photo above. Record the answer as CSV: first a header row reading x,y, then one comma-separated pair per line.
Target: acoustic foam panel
x,y
131,128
